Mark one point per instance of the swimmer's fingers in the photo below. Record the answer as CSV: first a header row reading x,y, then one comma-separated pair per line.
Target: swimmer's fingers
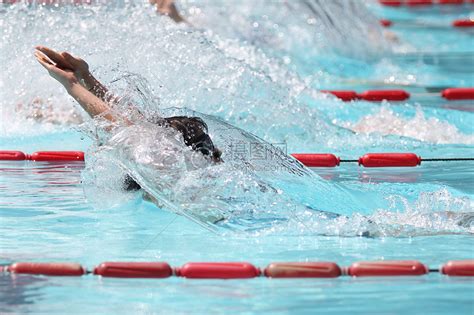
x,y
70,58
43,61
77,64
48,65
51,54
55,57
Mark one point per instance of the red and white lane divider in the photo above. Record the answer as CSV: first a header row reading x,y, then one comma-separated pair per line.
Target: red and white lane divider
x,y
307,159
49,2
42,156
243,270
370,159
418,3
451,94
459,23
392,3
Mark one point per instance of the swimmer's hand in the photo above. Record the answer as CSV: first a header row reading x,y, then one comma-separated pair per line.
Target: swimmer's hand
x,y
66,61
62,74
73,73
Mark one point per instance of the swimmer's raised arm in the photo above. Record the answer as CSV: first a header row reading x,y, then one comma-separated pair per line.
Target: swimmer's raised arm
x,y
62,72
80,68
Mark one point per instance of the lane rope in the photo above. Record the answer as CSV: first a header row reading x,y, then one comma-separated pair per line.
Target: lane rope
x,y
370,159
420,3
391,3
308,159
449,94
243,270
459,23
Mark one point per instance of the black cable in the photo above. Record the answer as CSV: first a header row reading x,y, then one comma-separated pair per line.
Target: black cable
x,y
447,159
349,161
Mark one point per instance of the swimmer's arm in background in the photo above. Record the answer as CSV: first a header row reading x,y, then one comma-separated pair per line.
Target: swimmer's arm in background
x,y
93,105
167,7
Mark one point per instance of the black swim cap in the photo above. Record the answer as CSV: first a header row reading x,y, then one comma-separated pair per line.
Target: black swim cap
x,y
195,134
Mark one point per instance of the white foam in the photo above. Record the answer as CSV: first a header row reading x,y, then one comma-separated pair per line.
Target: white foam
x,y
34,116
432,213
428,129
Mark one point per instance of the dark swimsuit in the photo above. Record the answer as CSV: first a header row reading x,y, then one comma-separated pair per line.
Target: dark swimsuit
x,y
129,184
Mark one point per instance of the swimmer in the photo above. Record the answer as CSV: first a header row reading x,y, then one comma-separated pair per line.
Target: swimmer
x,y
167,7
45,111
93,96
73,73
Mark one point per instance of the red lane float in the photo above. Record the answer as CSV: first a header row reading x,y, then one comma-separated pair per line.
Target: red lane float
x,y
387,268
450,2
415,3
47,2
317,160
224,270
391,3
344,95
390,160
53,156
12,156
459,268
454,94
370,95
463,23
303,270
134,270
385,23
381,95
49,269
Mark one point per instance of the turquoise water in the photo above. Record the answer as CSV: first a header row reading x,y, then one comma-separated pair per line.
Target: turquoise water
x,y
262,81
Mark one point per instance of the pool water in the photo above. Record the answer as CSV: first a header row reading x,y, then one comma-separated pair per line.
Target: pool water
x,y
262,73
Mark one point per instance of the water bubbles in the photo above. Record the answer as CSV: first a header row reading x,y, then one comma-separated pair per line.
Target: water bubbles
x,y
428,129
433,213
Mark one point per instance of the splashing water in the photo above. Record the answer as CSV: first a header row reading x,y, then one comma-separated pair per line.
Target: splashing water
x,y
433,213
246,191
240,77
250,192
229,78
284,27
387,122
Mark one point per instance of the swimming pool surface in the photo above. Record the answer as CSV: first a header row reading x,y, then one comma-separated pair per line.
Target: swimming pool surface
x,y
257,78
